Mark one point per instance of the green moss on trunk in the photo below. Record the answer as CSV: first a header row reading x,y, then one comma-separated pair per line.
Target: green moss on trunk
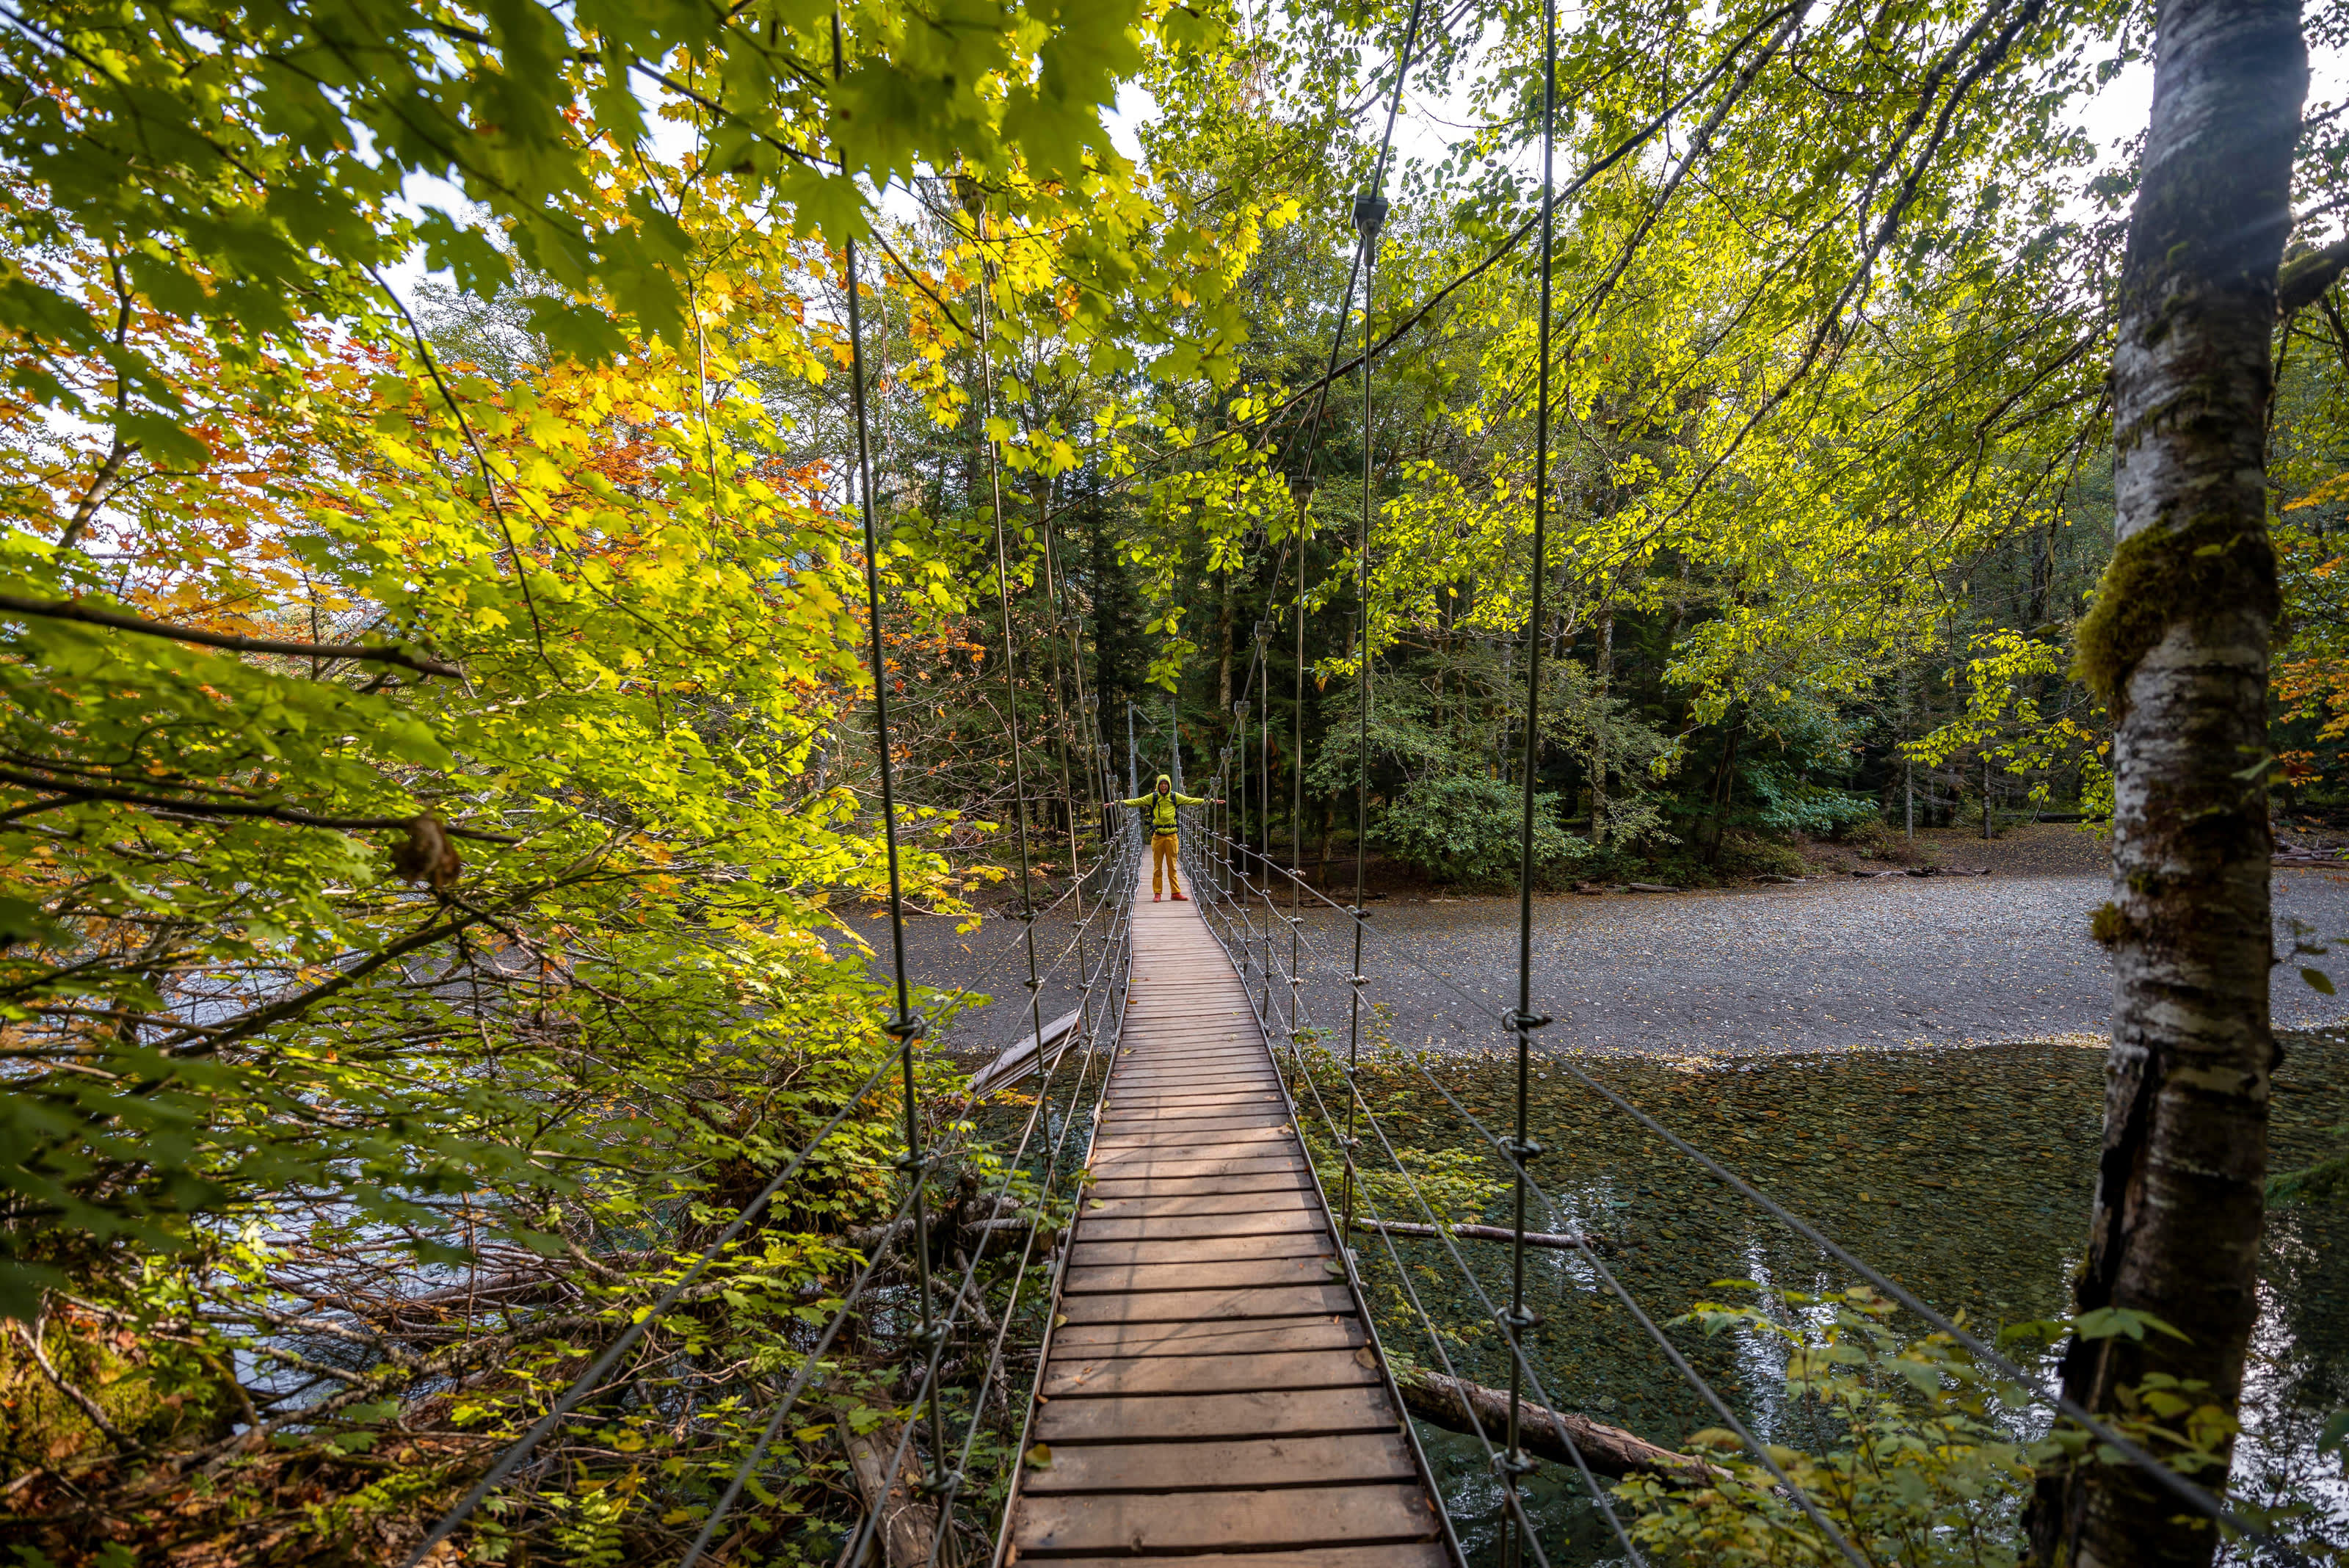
x,y
2158,577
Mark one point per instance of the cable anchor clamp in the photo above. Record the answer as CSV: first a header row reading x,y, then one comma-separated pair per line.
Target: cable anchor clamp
x,y
913,1026
1518,1320
1521,1022
1370,214
1513,1463
918,1164
927,1337
941,1483
1524,1149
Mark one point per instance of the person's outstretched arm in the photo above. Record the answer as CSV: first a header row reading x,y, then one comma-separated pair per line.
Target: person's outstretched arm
x,y
1137,800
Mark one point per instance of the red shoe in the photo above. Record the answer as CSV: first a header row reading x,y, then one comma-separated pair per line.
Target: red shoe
x,y
1182,898
1153,898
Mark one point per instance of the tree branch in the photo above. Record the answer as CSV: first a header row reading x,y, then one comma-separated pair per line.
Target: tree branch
x,y
2305,279
74,609
67,793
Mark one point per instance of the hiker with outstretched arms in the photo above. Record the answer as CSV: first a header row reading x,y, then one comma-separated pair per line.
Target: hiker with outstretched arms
x,y
1161,802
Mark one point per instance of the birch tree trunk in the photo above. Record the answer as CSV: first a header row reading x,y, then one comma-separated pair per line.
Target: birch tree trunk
x,y
2178,643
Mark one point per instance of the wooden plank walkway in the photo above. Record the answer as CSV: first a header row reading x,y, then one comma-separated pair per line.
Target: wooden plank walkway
x,y
1210,1393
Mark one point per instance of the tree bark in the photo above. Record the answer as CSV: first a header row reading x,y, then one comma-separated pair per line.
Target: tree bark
x,y
2177,644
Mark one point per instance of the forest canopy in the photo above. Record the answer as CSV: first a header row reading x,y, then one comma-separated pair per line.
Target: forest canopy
x,y
440,843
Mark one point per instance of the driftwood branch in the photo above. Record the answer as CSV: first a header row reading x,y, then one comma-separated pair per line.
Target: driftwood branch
x,y
1449,1403
905,1524
1566,1241
90,614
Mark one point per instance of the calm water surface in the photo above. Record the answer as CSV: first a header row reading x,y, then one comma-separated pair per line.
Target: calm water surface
x,y
1965,1174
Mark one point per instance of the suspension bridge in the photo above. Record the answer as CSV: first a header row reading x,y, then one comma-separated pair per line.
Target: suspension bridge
x,y
1212,1382
1207,1383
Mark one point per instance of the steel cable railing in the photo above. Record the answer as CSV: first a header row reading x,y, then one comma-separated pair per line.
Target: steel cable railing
x,y
944,1483
1059,1273
2179,1487
1497,1458
1515,1318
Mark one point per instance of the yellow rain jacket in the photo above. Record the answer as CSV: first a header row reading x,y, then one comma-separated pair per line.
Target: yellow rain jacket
x,y
1162,805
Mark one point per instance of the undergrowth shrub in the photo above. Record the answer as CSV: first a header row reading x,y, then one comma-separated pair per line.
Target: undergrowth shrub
x,y
1917,1453
1468,828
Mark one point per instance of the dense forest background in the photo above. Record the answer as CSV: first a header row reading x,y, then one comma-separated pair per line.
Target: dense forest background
x,y
443,886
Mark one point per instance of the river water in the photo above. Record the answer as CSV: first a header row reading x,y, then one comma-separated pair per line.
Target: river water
x,y
1965,1174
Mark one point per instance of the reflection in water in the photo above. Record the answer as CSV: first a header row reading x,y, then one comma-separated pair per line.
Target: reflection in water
x,y
1965,1174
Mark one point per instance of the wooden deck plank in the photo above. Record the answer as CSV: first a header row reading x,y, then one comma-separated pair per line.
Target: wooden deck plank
x,y
1251,1464
1416,1554
1245,1273
1296,1241
1197,1160
1307,1516
1207,1186
1183,1418
1211,1307
1267,1126
1123,1377
1200,1339
1172,1206
1216,1119
1210,1396
1112,1231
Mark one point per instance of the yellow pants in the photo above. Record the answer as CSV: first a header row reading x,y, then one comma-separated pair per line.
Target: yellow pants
x,y
1162,854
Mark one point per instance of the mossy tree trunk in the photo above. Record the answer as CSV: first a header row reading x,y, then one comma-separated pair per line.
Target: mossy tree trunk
x,y
2177,644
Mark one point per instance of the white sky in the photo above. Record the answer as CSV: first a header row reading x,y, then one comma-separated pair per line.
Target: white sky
x,y
2111,119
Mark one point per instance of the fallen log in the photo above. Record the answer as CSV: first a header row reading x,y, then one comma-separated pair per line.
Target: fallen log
x,y
1611,1451
1565,1242
907,1527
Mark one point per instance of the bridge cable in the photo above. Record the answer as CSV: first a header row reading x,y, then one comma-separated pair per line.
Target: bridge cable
x,y
1514,1320
986,1380
940,1480
904,1027
2185,1491
1513,1500
1370,211
1114,1021
750,1463
1515,1152
1523,1021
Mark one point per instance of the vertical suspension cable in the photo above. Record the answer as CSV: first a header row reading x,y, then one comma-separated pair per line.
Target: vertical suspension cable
x,y
908,1026
1523,1021
1010,650
1370,217
1263,812
1297,762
